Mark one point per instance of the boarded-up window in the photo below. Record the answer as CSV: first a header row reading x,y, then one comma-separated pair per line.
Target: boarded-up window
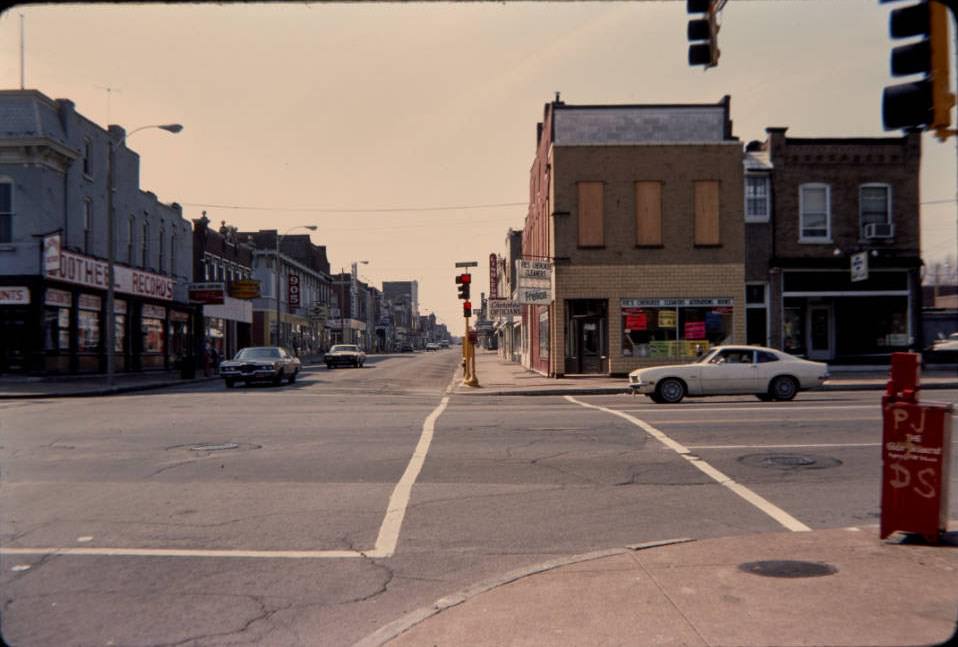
x,y
707,213
648,213
590,215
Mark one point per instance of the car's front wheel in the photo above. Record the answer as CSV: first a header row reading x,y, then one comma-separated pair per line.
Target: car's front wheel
x,y
230,383
670,390
783,387
292,377
279,378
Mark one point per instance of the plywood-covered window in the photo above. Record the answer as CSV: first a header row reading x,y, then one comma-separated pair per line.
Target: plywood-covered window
x,y
648,213
591,223
707,212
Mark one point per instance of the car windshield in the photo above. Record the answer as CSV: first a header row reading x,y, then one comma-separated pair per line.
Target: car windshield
x,y
344,348
258,353
707,357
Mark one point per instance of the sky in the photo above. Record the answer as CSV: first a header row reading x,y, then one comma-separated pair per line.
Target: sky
x,y
373,120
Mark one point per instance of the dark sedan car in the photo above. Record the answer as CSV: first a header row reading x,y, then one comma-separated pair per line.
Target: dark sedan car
x,y
260,363
345,355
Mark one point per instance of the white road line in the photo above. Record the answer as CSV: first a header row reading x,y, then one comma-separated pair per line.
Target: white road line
x,y
766,506
386,542
808,446
746,407
388,537
185,552
764,421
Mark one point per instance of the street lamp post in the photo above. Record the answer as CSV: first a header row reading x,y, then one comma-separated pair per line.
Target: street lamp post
x,y
111,243
279,238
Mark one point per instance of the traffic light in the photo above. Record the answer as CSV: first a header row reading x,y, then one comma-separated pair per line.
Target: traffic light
x,y
464,280
927,102
703,32
467,308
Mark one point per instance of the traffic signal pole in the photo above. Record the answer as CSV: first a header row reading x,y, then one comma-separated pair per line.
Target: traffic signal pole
x,y
464,281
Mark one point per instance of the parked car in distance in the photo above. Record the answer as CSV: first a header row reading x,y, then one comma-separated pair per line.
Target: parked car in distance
x,y
767,373
406,348
260,363
443,344
943,349
345,355
432,346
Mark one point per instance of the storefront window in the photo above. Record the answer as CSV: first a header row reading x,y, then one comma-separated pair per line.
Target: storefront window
x,y
56,329
793,329
544,335
152,330
674,328
88,323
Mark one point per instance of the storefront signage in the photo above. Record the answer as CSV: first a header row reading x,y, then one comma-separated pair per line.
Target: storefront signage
x,y
676,303
14,296
153,312
694,330
88,302
859,266
499,308
534,282
206,293
83,270
293,290
52,259
245,289
493,276
232,310
57,298
666,318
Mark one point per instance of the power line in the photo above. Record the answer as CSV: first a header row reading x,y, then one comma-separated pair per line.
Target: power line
x,y
496,205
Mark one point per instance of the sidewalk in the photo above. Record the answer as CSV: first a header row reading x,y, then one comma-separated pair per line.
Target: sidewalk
x,y
826,587
67,386
500,377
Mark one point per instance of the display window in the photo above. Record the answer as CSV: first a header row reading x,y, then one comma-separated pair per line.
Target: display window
x,y
88,323
544,335
153,337
674,328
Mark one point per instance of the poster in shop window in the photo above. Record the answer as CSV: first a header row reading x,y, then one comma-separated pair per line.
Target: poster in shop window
x,y
666,318
638,321
694,330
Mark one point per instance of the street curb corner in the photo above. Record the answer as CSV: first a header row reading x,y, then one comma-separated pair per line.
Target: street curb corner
x,y
403,624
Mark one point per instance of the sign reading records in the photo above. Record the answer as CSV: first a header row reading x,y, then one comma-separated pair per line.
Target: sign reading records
x,y
534,282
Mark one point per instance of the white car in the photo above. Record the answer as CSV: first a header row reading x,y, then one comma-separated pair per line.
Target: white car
x,y
731,370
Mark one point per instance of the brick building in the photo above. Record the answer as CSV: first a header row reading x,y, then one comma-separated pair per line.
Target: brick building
x,y
813,204
639,210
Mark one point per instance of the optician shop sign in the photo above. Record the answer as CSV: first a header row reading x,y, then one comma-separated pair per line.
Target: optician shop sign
x,y
83,270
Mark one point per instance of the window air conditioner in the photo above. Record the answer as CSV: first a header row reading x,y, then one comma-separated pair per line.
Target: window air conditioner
x,y
879,230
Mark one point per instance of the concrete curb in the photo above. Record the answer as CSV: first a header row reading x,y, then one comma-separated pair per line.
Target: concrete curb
x,y
107,391
614,390
392,630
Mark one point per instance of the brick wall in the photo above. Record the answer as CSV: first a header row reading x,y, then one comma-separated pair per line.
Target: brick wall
x,y
615,282
677,167
845,164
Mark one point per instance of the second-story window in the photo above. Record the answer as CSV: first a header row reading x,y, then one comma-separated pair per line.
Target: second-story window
x,y
160,248
88,157
757,203
648,213
875,210
815,213
591,221
6,212
87,226
707,229
129,240
145,245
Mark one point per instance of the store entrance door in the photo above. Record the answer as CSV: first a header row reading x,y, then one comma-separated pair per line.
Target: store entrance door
x,y
587,346
821,332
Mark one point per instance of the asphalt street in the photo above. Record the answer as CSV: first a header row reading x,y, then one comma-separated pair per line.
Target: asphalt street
x,y
313,514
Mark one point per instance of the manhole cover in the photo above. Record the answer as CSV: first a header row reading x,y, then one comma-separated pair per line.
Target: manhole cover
x,y
788,568
789,461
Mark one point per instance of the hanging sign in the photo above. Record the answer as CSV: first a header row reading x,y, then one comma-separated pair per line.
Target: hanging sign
x,y
293,290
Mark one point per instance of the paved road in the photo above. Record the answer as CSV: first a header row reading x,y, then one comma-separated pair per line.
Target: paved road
x,y
288,516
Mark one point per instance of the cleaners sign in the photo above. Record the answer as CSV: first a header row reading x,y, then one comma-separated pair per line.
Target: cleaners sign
x,y
534,282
